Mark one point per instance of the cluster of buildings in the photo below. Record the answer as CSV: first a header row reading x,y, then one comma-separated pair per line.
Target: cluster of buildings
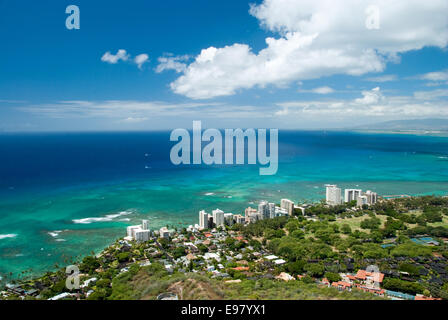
x,y
218,219
370,282
362,280
142,233
266,210
334,196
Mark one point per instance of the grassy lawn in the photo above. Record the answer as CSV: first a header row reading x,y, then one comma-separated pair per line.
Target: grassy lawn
x,y
355,222
444,223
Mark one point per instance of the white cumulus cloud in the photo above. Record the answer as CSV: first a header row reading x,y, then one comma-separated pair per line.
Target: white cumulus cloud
x,y
141,59
123,55
316,38
172,63
115,58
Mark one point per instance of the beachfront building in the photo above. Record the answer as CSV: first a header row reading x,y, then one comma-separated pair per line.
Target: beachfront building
x,y
139,233
263,210
130,231
192,228
166,233
271,209
248,213
288,205
361,200
218,218
228,218
239,219
352,194
203,220
142,235
372,197
303,208
333,195
280,212
254,217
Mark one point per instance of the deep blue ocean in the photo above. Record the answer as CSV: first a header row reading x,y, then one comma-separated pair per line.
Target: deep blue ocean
x,y
67,195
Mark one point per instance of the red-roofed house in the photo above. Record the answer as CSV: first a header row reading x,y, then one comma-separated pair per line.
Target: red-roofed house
x,y
361,275
241,268
351,278
376,291
342,285
370,279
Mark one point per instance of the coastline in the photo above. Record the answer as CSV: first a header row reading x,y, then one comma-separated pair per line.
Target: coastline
x,y
127,257
428,133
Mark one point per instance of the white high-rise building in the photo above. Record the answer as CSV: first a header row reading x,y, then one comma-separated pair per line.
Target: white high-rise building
x,y
228,218
263,210
352,194
288,205
218,218
239,219
372,197
142,235
139,233
280,212
271,209
203,219
361,200
130,231
248,212
333,195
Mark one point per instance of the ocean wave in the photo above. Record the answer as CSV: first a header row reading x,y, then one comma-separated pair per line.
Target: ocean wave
x,y
5,236
54,234
107,218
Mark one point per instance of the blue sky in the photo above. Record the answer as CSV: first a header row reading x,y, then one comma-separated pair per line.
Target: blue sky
x,y
227,75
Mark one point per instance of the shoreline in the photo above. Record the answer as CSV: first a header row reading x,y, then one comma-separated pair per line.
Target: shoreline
x,y
426,133
130,256
106,246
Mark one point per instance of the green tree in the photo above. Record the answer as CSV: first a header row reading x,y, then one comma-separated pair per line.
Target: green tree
x,y
314,269
345,229
332,276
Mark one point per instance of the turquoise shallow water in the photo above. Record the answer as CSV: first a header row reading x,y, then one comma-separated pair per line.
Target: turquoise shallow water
x,y
68,195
